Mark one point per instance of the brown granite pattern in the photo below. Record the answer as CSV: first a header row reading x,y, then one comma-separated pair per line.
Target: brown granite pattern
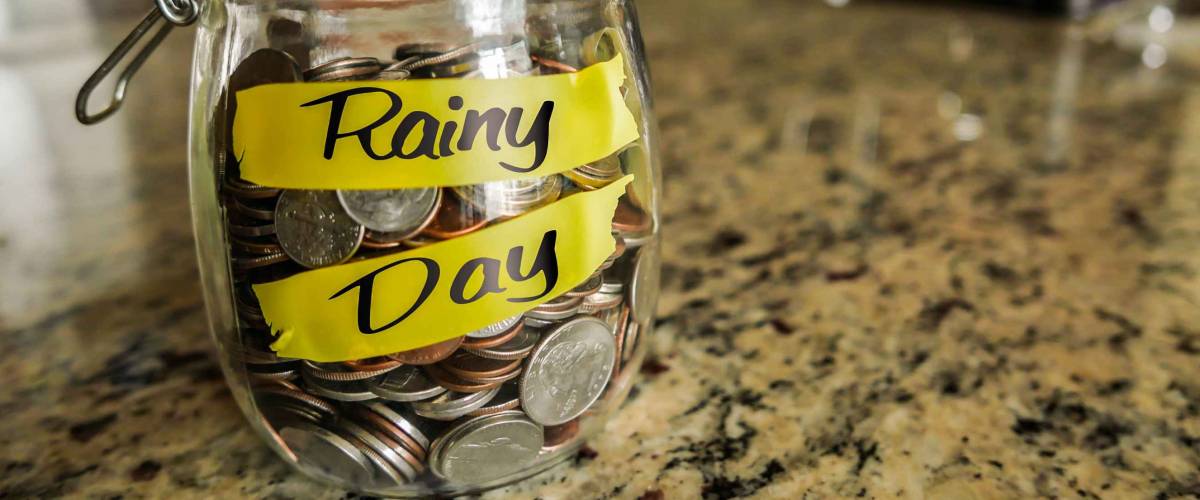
x,y
857,303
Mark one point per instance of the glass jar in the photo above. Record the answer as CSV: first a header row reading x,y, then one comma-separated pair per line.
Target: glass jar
x,y
397,233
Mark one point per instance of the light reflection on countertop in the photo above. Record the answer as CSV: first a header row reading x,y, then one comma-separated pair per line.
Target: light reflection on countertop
x,y
911,252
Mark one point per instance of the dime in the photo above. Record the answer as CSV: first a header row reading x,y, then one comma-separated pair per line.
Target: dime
x,y
332,455
399,213
451,405
508,398
517,348
495,329
588,287
386,428
485,448
405,384
600,302
314,230
429,354
496,340
391,462
341,390
342,69
511,198
567,371
402,418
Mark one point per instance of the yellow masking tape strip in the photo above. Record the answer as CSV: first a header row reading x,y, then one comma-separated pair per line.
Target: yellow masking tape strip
x,y
438,132
412,299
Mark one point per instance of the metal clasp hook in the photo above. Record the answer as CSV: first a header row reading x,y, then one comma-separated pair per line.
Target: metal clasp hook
x,y
175,13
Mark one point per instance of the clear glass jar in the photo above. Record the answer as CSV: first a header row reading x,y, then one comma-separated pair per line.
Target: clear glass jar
x,y
468,412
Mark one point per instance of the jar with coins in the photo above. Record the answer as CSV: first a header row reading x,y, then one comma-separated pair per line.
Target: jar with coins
x,y
427,230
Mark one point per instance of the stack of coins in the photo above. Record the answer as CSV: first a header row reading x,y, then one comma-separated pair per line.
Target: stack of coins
x,y
431,414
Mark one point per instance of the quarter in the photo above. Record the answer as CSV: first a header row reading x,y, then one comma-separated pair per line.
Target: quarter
x,y
314,230
567,371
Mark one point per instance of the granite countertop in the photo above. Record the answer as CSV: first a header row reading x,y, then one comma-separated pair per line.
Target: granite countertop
x,y
910,252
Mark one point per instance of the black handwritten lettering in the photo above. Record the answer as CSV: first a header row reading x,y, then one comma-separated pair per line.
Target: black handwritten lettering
x,y
539,135
491,280
366,285
435,138
545,262
475,121
338,108
428,135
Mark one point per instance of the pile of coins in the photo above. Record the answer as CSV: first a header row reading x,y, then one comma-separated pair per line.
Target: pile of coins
x,y
470,409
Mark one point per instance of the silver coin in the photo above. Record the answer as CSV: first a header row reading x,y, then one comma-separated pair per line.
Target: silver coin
x,y
511,198
643,294
552,316
314,230
485,448
538,323
517,348
495,329
597,302
341,390
509,398
567,371
611,285
392,462
403,211
451,405
631,341
330,454
403,420
405,384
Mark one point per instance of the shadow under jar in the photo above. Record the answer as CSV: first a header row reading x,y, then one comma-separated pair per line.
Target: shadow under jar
x,y
459,409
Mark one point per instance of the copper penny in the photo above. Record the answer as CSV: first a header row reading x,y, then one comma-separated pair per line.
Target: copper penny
x,y
630,217
429,354
490,342
455,383
253,210
495,379
557,435
454,218
391,431
472,367
372,364
554,65
247,263
340,373
370,241
256,247
619,332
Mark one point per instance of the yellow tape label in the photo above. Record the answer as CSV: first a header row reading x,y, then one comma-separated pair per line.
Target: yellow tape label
x,y
438,132
419,297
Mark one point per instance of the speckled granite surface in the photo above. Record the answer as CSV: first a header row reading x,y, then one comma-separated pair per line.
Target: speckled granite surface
x,y
911,253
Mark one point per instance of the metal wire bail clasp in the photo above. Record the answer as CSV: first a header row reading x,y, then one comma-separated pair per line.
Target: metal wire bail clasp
x,y
175,13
